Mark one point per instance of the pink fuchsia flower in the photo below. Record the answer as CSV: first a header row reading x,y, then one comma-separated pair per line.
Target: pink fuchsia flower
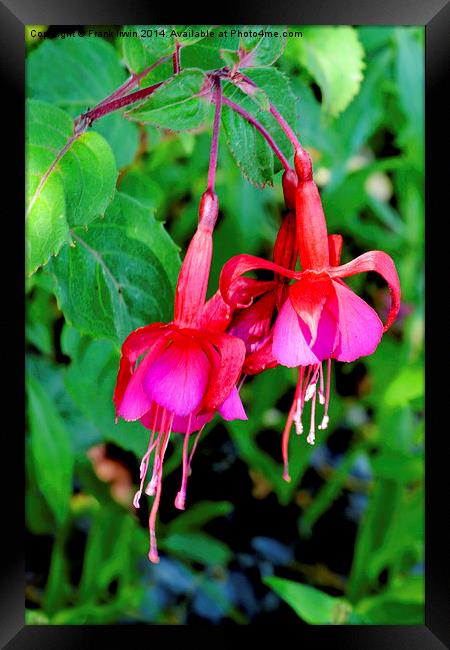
x,y
321,318
255,304
173,377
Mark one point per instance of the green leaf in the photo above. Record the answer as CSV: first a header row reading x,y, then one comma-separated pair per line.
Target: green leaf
x,y
410,84
110,283
197,547
206,54
143,45
177,104
50,449
76,74
250,151
248,147
313,606
66,191
264,48
140,224
335,59
408,385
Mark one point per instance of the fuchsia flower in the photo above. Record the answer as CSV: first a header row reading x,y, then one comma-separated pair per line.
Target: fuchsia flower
x,y
321,317
173,377
255,303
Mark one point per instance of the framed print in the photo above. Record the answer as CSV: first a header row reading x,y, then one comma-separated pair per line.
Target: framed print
x,y
227,232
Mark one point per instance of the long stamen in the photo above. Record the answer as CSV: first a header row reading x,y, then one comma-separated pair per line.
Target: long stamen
x,y
312,429
151,487
153,553
323,425
321,393
197,438
181,496
215,138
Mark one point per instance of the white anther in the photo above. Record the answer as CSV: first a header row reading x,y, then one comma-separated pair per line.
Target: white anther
x,y
310,392
323,425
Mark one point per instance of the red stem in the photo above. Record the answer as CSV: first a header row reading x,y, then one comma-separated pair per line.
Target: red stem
x,y
279,118
260,128
215,139
115,104
176,59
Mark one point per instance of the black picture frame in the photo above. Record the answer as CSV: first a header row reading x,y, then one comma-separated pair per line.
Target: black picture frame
x,y
435,16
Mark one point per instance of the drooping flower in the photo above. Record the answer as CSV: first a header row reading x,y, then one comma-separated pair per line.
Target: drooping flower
x,y
173,377
256,303
321,317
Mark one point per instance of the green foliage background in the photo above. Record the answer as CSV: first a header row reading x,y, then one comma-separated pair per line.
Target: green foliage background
x,y
118,212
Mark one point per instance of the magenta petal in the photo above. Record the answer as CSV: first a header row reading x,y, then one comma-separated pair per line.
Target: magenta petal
x,y
135,402
232,408
178,378
326,335
290,346
360,328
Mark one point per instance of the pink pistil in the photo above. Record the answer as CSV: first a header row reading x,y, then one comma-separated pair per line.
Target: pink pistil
x,y
181,496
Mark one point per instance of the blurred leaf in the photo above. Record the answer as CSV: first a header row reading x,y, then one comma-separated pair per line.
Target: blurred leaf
x,y
410,84
406,386
71,192
402,602
197,547
93,371
334,56
50,449
313,606
329,492
177,105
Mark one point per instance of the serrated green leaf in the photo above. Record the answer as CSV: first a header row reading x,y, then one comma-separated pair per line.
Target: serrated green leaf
x,y
262,49
177,105
66,191
206,54
311,604
143,45
249,149
109,283
334,57
77,73
51,450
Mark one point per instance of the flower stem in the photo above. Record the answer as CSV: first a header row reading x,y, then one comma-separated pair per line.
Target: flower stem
x,y
215,139
133,81
280,119
176,59
261,129
115,104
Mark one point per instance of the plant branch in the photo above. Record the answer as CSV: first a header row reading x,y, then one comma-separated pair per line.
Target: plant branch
x,y
108,107
215,139
271,142
279,118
